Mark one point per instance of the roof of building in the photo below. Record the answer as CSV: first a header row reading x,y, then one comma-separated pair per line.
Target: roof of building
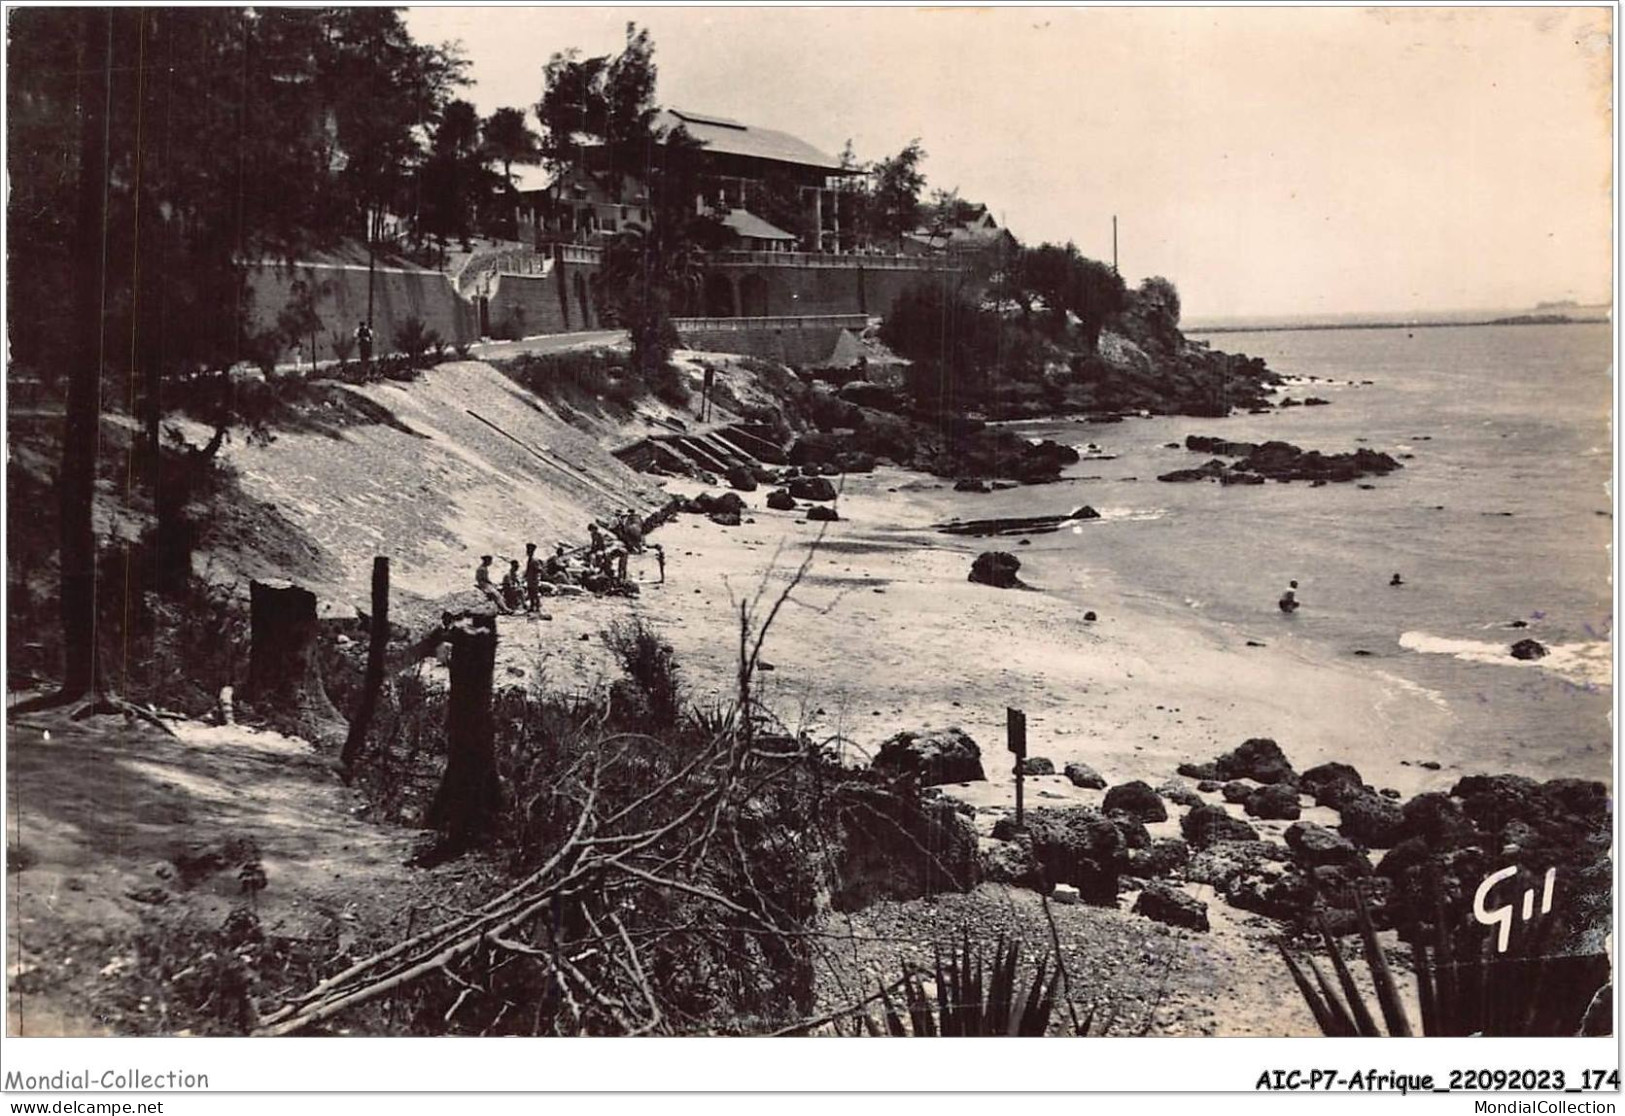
x,y
745,223
730,137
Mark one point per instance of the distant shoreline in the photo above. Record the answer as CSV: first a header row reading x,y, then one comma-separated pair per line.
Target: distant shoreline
x,y
1512,320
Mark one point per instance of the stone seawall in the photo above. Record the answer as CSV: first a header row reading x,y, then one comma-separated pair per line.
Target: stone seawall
x,y
397,294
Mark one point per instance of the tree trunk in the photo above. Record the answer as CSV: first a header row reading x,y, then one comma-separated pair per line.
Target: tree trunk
x,y
77,487
284,672
470,794
376,651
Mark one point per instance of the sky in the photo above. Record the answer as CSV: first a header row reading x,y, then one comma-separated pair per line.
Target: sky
x,y
1267,160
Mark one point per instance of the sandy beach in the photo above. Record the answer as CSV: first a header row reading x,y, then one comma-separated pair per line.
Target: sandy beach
x,y
885,633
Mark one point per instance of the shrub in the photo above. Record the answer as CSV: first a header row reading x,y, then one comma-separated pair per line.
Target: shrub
x,y
650,695
414,339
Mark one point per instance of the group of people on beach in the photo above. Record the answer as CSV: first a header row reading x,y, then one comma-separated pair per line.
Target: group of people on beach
x,y
599,567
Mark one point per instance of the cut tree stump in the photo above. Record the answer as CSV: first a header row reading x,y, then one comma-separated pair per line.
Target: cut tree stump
x,y
470,795
284,671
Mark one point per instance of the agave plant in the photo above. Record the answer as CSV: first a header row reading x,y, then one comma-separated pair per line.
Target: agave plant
x,y
1526,992
973,996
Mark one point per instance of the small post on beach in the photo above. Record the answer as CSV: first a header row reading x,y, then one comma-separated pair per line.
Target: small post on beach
x,y
1016,731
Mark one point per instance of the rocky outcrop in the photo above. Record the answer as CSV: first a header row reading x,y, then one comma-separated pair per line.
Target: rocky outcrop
x,y
996,568
1280,461
1161,858
933,756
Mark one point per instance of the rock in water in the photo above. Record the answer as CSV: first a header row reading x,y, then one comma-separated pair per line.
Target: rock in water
x,y
1165,903
1082,775
946,755
1276,802
1137,800
1527,649
996,568
1208,825
1037,765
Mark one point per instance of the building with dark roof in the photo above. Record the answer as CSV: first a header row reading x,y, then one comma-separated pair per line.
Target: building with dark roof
x,y
772,190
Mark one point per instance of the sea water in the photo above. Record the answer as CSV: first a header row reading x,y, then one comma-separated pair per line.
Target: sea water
x,y
1502,512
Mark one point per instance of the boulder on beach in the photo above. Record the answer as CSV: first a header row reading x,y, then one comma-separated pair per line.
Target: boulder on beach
x,y
1011,862
1220,865
725,518
1208,786
821,514
1528,649
1276,802
740,477
1076,846
1179,793
1259,759
1161,858
1205,772
780,500
1133,831
811,488
935,756
1330,784
1437,819
899,846
1316,845
996,568
1137,800
1085,512
1165,903
1238,790
1207,825
1372,821
1037,765
970,484
1082,775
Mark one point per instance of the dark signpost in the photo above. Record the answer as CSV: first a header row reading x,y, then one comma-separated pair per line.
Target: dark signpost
x,y
1016,732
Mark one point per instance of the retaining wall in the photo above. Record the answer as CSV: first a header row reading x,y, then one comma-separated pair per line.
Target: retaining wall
x,y
397,294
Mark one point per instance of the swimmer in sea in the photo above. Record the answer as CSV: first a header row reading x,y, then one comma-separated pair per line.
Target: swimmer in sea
x,y
1289,600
